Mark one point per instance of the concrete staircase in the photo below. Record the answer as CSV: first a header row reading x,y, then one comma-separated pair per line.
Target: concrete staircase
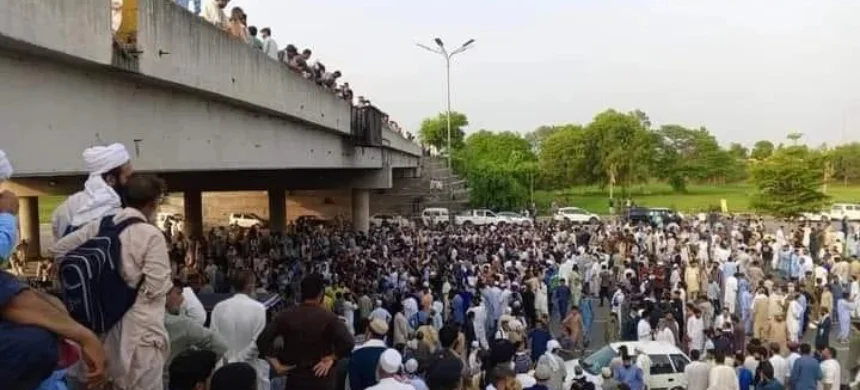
x,y
437,186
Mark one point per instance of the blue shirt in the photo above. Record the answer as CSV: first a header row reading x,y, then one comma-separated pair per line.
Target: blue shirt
x,y
770,385
631,376
539,337
805,374
8,235
745,378
27,353
457,311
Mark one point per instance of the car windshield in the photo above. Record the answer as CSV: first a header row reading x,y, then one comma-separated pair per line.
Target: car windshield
x,y
252,215
597,360
508,214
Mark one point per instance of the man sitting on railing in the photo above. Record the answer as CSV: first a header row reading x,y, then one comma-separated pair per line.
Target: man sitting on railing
x,y
213,12
256,42
345,92
270,47
329,79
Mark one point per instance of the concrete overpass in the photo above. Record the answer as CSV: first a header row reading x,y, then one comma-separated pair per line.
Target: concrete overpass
x,y
196,106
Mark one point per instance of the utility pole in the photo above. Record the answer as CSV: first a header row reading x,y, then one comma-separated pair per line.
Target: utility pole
x,y
440,49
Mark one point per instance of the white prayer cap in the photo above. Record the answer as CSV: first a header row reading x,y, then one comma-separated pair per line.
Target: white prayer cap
x,y
390,361
411,366
5,167
101,159
552,345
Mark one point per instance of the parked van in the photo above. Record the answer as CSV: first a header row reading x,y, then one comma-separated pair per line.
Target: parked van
x,y
434,216
849,211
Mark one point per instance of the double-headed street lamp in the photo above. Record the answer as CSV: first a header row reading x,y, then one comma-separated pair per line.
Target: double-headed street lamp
x,y
440,49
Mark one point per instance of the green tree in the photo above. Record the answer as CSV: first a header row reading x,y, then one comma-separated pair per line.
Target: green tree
x,y
788,183
738,151
499,168
682,155
537,137
497,148
619,146
762,150
562,159
434,131
846,163
494,187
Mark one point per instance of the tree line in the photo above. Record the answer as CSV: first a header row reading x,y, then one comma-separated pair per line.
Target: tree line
x,y
618,150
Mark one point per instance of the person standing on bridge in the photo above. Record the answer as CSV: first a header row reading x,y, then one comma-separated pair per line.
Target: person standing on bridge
x,y
104,191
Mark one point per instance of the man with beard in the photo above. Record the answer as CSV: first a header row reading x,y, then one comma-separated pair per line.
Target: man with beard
x,y
104,191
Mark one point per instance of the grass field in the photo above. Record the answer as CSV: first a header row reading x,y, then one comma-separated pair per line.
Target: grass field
x,y
47,204
697,198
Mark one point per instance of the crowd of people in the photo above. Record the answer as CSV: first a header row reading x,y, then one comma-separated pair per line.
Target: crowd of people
x,y
415,307
236,24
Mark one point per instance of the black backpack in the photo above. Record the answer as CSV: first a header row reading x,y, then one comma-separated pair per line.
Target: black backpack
x,y
93,289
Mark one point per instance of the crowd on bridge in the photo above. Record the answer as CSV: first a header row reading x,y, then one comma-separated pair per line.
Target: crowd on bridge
x,y
300,62
422,307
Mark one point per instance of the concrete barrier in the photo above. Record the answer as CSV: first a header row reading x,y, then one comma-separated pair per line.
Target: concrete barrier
x,y
182,48
78,28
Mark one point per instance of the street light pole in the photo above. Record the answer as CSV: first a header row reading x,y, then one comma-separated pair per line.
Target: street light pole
x,y
448,109
440,49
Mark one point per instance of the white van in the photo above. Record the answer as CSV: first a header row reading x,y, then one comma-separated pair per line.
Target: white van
x,y
162,218
434,216
851,211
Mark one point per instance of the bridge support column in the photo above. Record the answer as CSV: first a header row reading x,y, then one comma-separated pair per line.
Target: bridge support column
x,y
361,210
277,209
29,217
193,213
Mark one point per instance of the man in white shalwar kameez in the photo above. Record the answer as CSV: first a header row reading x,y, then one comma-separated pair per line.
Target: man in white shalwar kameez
x,y
723,377
240,320
854,296
696,331
792,320
109,168
731,293
478,321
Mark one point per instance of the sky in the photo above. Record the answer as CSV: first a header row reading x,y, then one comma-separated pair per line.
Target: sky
x,y
747,70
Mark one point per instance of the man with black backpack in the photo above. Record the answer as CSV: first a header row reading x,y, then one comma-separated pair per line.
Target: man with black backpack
x,y
115,274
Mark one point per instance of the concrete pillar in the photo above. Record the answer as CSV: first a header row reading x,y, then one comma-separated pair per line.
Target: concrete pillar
x,y
361,210
29,217
193,213
277,209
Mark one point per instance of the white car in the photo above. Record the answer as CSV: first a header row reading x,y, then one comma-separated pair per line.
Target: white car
x,y
513,218
390,219
162,218
667,363
478,217
432,216
575,215
247,220
837,212
851,211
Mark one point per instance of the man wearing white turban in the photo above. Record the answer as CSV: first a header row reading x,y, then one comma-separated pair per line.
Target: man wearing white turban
x,y
109,168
